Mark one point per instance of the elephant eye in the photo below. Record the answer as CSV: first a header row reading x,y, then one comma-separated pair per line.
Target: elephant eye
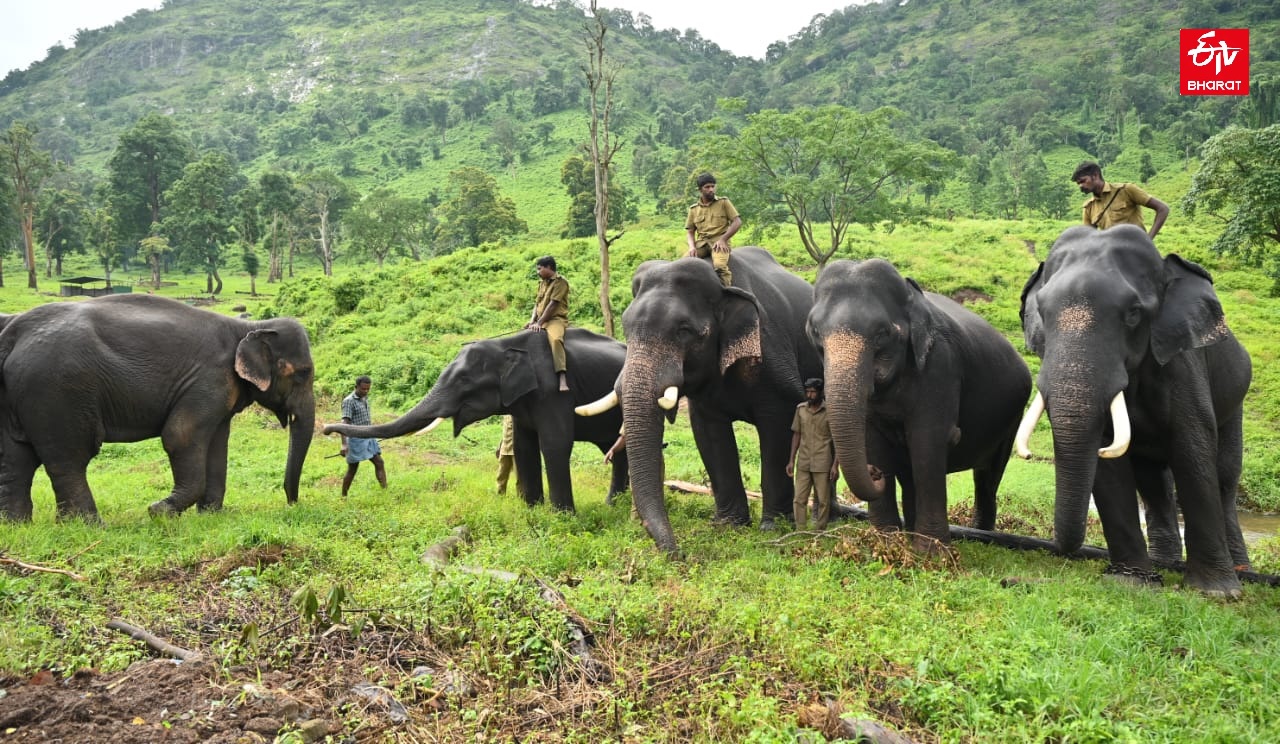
x,y
1133,317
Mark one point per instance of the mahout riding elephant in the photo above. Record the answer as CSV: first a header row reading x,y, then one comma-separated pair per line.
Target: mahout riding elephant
x,y
1140,374
515,375
917,386
738,353
124,368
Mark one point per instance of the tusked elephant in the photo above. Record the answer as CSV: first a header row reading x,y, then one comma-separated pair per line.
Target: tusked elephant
x,y
1140,373
738,353
917,386
124,368
515,375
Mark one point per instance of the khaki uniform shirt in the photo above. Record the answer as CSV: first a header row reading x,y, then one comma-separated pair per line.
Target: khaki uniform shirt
x,y
1126,209
710,221
554,289
815,452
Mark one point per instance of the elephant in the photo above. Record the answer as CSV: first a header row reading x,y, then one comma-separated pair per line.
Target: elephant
x,y
738,353
515,375
1140,375
917,386
124,368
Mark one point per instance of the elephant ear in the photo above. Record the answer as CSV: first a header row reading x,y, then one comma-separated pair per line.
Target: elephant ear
x,y
254,358
516,379
920,314
739,327
1190,315
1029,313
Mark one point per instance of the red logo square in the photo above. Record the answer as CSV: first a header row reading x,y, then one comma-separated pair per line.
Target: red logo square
x,y
1214,62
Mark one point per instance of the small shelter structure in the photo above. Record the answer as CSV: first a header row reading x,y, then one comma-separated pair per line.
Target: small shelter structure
x,y
76,286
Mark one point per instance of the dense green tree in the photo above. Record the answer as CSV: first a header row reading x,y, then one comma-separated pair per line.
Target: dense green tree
x,y
380,224
829,165
201,215
105,240
578,177
1239,183
250,263
154,248
60,217
474,211
27,168
10,227
279,202
148,160
325,198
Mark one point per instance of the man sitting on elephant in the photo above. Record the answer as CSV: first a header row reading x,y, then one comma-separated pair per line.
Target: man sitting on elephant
x,y
551,314
710,224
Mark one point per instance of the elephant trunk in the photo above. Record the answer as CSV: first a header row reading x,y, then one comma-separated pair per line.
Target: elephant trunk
x,y
301,430
850,378
642,418
1076,436
416,419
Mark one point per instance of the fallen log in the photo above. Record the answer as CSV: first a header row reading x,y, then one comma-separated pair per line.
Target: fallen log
x,y
154,642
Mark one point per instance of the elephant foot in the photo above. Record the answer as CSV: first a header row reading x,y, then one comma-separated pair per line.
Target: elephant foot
x,y
88,517
1220,585
729,520
1133,575
163,508
1163,551
929,545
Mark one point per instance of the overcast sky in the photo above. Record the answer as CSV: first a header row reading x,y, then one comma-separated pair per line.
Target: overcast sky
x,y
30,27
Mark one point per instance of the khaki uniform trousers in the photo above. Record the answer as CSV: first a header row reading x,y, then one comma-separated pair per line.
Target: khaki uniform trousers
x,y
719,261
812,483
555,336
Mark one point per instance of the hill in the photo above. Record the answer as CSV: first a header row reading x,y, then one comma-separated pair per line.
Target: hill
x,y
399,94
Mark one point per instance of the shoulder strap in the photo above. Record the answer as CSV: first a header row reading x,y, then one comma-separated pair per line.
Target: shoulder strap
x,y
1114,193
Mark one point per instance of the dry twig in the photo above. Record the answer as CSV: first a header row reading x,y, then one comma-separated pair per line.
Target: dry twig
x,y
44,569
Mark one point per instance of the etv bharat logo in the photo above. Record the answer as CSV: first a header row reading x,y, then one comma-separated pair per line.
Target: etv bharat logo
x,y
1215,62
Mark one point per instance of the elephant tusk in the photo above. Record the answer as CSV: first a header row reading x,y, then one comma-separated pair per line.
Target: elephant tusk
x,y
600,406
1021,443
670,397
1120,423
430,426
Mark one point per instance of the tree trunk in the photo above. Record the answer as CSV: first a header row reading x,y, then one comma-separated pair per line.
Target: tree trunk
x,y
29,238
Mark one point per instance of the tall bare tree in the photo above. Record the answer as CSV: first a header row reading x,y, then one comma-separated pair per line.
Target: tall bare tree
x,y
27,167
602,146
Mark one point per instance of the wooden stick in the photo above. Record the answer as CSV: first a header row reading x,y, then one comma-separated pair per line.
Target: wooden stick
x,y
158,644
31,567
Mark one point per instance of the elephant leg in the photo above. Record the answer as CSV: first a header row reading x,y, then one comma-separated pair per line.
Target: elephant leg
x,y
1115,496
215,478
718,448
1155,487
986,487
1209,565
883,512
71,490
1230,463
18,464
620,481
775,449
528,466
188,458
559,482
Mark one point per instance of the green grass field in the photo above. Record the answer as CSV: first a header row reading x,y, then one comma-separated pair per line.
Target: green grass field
x,y
737,642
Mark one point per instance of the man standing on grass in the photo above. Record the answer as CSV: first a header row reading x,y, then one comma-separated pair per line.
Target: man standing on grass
x,y
813,457
355,411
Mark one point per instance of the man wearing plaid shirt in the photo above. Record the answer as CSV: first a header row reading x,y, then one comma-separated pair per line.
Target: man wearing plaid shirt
x,y
355,410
